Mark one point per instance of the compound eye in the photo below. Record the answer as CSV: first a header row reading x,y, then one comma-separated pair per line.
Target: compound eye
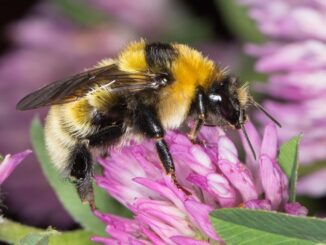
x,y
215,97
228,111
226,107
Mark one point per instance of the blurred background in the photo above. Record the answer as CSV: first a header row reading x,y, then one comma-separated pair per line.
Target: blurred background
x,y
43,41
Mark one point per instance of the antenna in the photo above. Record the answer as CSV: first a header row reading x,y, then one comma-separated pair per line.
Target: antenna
x,y
248,141
260,107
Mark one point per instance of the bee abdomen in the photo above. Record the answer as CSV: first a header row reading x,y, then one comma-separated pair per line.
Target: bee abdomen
x,y
59,141
76,118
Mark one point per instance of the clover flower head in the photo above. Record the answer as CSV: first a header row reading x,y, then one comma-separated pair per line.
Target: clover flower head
x,y
294,56
212,172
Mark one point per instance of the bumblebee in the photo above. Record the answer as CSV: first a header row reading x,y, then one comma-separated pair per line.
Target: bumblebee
x,y
148,89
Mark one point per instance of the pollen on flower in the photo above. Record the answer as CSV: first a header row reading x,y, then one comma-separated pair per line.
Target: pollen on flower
x,y
214,175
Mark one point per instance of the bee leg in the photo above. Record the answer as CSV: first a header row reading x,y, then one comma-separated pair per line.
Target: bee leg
x,y
150,125
104,152
200,108
82,173
192,135
167,162
106,136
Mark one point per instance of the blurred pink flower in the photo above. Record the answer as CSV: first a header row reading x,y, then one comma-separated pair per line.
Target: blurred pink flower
x,y
212,173
9,163
141,15
312,184
295,58
47,46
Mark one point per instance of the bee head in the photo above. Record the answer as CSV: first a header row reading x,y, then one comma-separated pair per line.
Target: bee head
x,y
228,100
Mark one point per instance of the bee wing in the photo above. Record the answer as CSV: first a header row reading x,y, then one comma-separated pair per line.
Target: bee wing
x,y
77,86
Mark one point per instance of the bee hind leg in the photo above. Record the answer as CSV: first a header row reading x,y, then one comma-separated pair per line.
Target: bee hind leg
x,y
82,167
82,174
108,135
105,137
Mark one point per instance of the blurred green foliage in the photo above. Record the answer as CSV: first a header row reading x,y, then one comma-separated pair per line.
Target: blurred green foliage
x,y
237,19
15,233
80,12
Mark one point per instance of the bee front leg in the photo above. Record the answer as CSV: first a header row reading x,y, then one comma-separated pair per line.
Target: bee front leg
x,y
82,173
192,135
200,107
150,125
167,162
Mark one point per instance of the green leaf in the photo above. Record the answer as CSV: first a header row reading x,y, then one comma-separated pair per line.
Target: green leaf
x,y
40,238
12,232
64,190
72,238
236,18
15,233
288,160
245,226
